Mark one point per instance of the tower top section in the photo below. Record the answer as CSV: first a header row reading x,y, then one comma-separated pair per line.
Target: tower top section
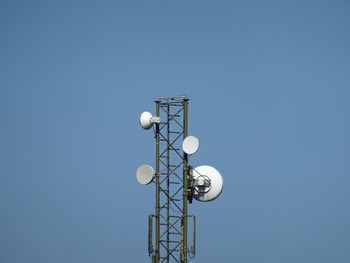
x,y
179,98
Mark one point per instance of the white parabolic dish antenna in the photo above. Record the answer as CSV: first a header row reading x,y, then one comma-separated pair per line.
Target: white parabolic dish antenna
x,y
145,120
208,175
145,174
190,145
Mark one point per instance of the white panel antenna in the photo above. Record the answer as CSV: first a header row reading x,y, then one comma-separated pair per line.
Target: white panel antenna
x,y
145,174
147,120
208,183
190,145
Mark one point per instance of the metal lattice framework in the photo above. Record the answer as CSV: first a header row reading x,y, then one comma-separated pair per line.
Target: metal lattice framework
x,y
172,193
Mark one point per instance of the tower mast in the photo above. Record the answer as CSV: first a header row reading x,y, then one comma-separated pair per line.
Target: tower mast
x,y
176,182
171,213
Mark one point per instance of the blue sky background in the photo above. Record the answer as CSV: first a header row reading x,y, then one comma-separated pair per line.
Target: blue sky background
x,y
268,83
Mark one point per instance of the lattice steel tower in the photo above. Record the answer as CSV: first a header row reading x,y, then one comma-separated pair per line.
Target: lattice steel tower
x,y
175,180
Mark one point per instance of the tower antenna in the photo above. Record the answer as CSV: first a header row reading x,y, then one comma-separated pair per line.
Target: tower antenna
x,y
176,181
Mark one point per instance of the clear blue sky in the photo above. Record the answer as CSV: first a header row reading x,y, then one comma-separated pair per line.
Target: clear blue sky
x,y
269,83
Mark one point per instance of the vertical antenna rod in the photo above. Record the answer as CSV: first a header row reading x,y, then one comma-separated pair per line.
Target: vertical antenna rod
x,y
185,184
157,185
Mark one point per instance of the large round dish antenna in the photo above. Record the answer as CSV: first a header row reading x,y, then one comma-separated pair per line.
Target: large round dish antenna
x,y
190,145
145,174
208,183
145,120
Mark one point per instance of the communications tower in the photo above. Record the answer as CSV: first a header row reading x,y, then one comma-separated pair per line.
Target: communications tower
x,y
177,183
